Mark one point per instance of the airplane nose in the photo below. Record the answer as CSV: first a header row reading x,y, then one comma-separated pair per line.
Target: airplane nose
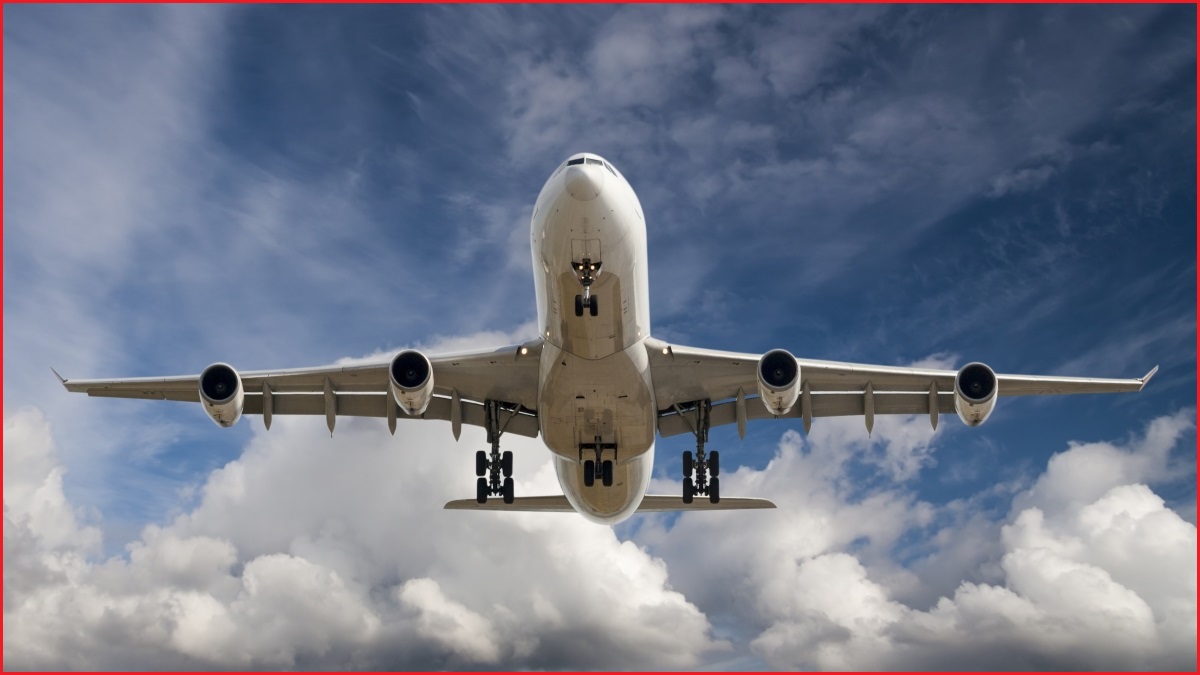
x,y
584,181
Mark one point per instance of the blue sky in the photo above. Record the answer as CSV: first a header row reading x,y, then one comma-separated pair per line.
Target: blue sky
x,y
287,186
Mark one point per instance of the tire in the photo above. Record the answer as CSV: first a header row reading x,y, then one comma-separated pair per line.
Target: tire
x,y
593,306
579,305
506,463
714,490
481,490
508,490
589,473
714,463
606,473
481,463
689,490
687,463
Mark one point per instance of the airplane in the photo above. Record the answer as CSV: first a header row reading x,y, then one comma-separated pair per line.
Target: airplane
x,y
595,384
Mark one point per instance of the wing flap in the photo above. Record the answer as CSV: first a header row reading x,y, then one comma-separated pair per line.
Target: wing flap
x,y
823,405
524,423
188,395
650,504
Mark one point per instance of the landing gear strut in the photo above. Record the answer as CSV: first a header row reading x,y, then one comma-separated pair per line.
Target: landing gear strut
x,y
586,271
496,463
706,467
599,467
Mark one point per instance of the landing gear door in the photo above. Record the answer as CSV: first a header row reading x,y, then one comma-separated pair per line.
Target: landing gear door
x,y
585,248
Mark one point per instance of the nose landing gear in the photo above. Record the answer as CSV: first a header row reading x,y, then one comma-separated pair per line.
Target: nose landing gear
x,y
586,271
706,467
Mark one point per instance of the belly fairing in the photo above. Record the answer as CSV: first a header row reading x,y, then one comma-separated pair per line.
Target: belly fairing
x,y
606,505
612,398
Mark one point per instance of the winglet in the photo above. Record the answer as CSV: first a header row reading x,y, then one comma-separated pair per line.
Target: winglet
x,y
60,378
1146,379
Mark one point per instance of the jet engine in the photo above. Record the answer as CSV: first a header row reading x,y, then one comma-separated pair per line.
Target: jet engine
x,y
221,394
411,381
778,381
975,391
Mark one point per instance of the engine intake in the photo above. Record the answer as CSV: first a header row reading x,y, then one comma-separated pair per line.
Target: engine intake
x,y
221,394
411,381
778,381
975,390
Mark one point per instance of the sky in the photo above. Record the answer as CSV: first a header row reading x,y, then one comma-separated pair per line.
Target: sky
x,y
280,187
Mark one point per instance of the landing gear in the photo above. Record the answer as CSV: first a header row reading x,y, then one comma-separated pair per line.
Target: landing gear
x,y
599,467
495,465
586,271
591,302
705,467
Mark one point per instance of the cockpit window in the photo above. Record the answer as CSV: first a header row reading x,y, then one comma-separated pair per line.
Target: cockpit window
x,y
610,169
593,160
573,162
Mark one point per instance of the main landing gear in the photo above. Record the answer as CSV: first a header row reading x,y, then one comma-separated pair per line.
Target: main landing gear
x,y
586,271
599,467
496,463
706,467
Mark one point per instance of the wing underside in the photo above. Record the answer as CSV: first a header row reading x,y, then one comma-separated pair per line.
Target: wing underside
x,y
687,378
462,385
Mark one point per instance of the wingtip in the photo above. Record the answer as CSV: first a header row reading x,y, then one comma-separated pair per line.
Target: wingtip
x,y
61,379
1146,379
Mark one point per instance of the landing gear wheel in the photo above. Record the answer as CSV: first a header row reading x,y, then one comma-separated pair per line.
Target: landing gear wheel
x,y
714,489
579,305
593,307
589,473
508,490
606,473
481,463
687,463
506,463
714,463
481,490
689,490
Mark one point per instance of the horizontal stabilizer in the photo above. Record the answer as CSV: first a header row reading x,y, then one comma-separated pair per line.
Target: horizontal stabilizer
x,y
650,504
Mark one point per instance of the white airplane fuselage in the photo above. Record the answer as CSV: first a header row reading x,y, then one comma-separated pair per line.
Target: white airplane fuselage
x,y
594,378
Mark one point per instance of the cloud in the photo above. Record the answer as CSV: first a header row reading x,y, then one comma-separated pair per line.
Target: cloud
x,y
1088,570
309,551
833,133
316,552
1020,180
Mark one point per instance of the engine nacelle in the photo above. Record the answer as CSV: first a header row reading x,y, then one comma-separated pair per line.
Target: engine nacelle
x,y
975,391
778,381
411,381
221,394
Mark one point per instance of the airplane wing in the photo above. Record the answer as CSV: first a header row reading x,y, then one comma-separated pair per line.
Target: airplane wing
x,y
508,375
684,377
